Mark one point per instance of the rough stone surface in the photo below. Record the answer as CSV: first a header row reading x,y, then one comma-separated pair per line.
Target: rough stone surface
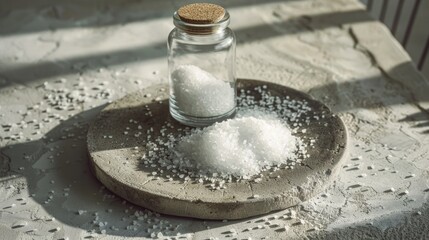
x,y
117,163
331,49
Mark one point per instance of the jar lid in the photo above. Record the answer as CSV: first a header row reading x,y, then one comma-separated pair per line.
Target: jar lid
x,y
201,18
201,13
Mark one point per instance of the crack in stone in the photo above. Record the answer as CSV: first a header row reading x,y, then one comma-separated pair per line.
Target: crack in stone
x,y
385,74
410,136
357,46
50,52
372,188
185,184
251,188
288,180
147,181
306,165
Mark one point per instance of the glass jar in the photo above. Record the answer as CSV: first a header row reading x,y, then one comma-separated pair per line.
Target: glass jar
x,y
201,63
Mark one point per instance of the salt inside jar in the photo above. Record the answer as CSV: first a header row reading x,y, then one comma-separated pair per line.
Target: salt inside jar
x,y
201,58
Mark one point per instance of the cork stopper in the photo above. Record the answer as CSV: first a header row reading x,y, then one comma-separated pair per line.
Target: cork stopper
x,y
201,13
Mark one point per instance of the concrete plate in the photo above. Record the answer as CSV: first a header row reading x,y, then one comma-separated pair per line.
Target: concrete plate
x,y
116,162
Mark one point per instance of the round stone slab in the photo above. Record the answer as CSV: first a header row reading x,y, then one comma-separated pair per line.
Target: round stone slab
x,y
117,141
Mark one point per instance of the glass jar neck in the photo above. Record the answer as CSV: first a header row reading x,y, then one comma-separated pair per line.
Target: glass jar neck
x,y
217,28
219,34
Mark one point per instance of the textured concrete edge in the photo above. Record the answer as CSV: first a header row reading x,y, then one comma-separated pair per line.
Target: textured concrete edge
x,y
195,209
178,207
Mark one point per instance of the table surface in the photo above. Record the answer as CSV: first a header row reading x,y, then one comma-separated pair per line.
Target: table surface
x,y
62,61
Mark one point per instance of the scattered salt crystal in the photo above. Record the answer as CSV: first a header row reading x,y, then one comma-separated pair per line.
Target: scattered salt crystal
x,y
257,180
405,192
81,212
19,224
199,93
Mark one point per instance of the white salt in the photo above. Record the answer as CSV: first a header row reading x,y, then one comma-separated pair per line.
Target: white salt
x,y
19,224
260,131
198,93
241,146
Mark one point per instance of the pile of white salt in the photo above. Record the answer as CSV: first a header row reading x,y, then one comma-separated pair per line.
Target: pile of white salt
x,y
240,147
200,94
262,137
